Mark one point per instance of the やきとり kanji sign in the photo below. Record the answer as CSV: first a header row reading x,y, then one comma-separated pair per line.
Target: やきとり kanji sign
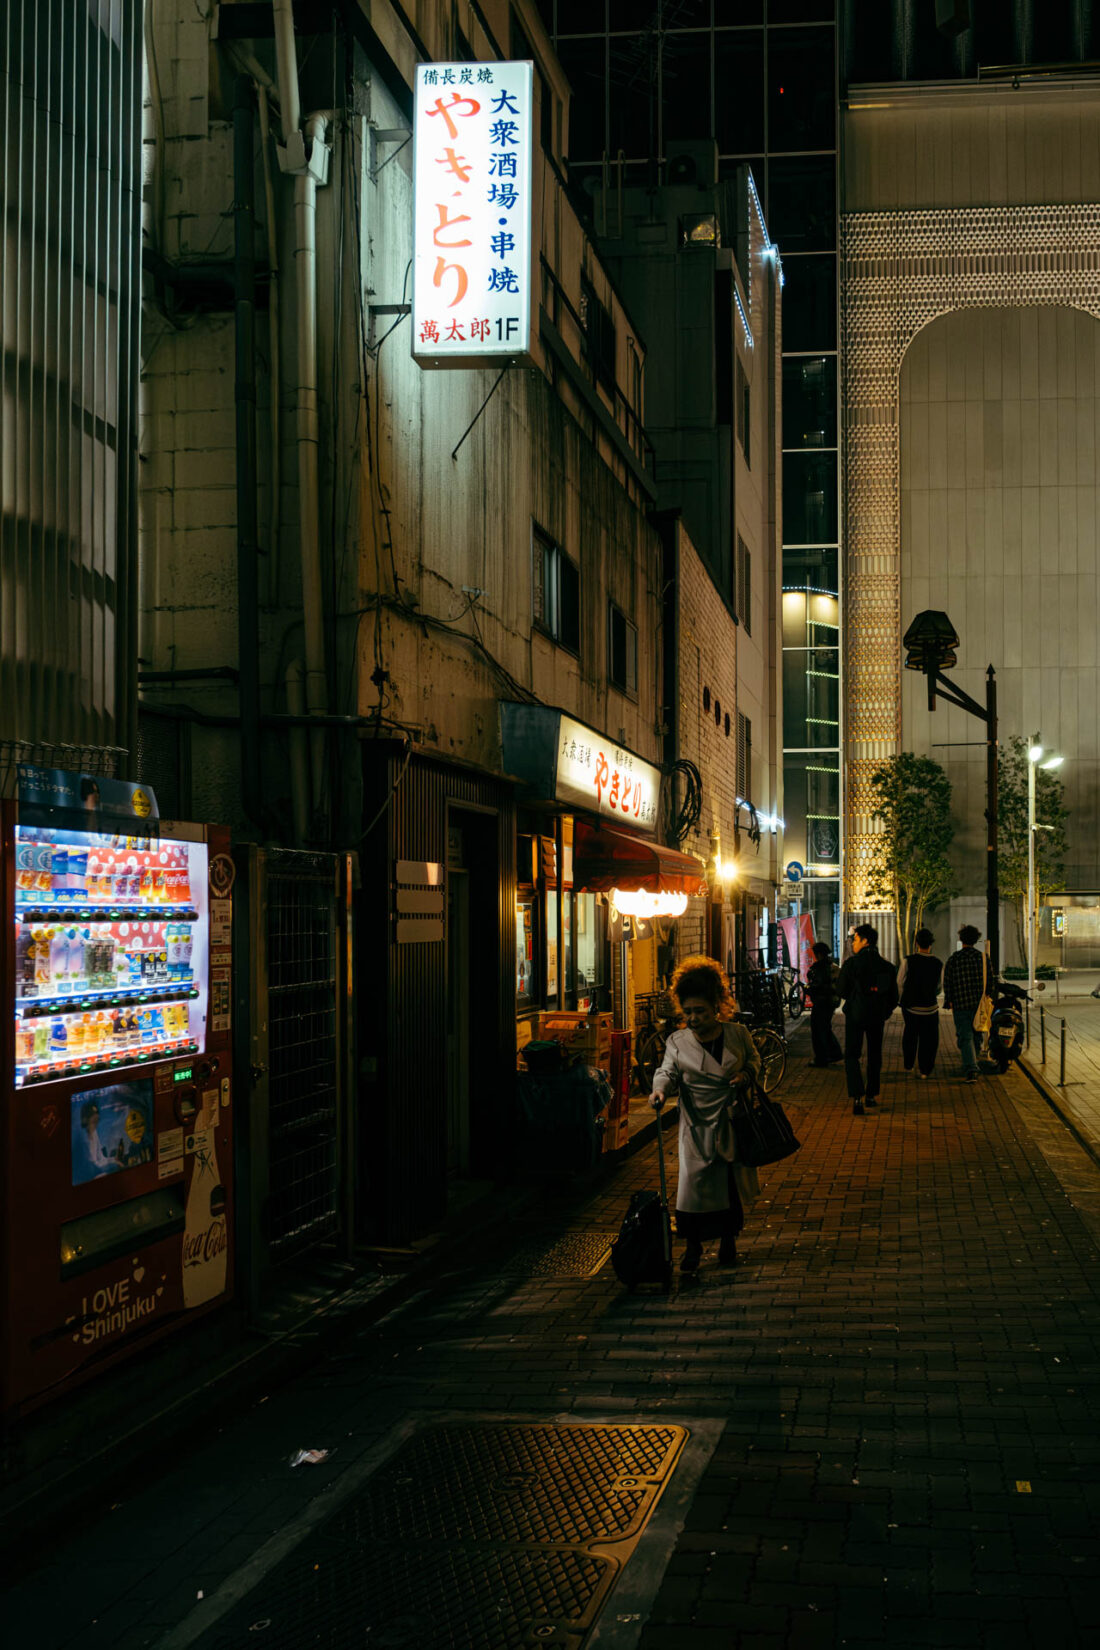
x,y
472,135
602,776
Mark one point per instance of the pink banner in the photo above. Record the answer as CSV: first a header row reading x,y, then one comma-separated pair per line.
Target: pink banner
x,y
798,933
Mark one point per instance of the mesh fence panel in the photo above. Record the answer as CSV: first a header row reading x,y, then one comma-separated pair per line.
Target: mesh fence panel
x,y
302,1041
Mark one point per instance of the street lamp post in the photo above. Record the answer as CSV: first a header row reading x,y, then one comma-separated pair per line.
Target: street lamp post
x,y
1034,761
930,644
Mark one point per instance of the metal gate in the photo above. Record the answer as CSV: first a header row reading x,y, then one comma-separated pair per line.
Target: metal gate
x,y
299,1046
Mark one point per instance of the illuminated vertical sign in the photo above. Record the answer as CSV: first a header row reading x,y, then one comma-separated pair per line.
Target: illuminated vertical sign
x,y
472,137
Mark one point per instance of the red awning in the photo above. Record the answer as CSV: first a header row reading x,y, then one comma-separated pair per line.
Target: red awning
x,y
605,858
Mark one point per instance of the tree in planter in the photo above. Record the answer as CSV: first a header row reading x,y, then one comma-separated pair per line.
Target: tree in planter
x,y
1050,844
911,870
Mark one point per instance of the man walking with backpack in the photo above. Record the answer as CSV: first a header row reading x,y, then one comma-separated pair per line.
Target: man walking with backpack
x,y
869,988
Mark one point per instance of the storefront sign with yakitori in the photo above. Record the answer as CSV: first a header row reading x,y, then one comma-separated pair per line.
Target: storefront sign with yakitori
x,y
562,760
472,151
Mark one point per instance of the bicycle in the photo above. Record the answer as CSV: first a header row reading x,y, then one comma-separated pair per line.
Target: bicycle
x,y
659,1020
655,1020
771,1045
793,991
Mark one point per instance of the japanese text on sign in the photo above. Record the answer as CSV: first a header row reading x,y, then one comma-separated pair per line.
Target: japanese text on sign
x,y
597,774
472,215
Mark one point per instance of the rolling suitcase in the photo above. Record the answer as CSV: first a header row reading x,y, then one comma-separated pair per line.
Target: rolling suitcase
x,y
642,1252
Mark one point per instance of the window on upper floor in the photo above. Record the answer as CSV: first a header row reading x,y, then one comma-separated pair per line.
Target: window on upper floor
x,y
522,52
743,410
743,585
555,592
622,651
599,336
744,758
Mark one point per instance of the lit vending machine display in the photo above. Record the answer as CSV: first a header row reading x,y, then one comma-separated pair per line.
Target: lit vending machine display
x,y
110,951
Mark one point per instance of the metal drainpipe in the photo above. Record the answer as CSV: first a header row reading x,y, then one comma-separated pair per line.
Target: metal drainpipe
x,y
244,283
299,751
305,261
304,156
286,57
272,580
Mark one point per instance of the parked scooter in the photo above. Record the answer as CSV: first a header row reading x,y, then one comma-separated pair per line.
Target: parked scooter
x,y
1006,1030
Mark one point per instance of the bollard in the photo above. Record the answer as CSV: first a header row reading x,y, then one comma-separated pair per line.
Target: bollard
x,y
1062,1059
1042,1035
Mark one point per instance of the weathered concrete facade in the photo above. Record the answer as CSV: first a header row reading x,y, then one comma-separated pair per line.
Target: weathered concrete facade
x,y
411,527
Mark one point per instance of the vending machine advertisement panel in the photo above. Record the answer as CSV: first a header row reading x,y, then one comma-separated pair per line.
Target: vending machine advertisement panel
x,y
118,1090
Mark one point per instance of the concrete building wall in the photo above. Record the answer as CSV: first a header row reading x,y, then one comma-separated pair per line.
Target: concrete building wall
x,y
970,238
999,507
711,646
970,145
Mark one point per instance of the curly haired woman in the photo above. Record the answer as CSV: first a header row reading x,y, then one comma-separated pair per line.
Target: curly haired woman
x,y
709,1062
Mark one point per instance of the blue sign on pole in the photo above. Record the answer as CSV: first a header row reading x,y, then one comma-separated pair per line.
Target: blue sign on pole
x,y
795,871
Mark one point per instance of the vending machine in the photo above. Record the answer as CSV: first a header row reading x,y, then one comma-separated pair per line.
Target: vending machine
x,y
117,1144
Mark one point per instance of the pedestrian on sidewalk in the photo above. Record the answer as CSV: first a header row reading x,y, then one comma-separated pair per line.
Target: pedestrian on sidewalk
x,y
821,978
919,985
869,988
710,1063
964,978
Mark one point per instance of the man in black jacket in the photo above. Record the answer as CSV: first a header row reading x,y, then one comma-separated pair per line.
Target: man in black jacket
x,y
869,988
821,985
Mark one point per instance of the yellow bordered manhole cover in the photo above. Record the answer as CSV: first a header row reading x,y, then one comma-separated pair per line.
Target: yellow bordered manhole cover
x,y
573,1255
474,1536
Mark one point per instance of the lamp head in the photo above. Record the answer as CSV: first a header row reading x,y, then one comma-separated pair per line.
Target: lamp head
x,y
930,642
1034,753
1052,762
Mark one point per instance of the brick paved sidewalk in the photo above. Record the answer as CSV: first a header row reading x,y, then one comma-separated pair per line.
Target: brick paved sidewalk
x,y
905,1366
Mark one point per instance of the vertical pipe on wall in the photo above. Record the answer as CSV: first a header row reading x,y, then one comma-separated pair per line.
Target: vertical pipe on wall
x,y
308,162
299,751
286,56
275,374
244,283
309,441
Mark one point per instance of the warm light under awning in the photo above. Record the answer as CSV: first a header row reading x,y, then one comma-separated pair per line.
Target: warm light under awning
x,y
605,858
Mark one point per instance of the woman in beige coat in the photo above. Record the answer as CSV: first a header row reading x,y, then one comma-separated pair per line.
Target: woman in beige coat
x,y
709,1063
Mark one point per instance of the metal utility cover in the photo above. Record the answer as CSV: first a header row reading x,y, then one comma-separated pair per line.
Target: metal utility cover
x,y
474,1536
573,1255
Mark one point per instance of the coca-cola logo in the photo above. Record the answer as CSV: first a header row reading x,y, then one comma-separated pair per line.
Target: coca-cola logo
x,y
205,1246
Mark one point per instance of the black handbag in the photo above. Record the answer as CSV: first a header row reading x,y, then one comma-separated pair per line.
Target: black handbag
x,y
762,1130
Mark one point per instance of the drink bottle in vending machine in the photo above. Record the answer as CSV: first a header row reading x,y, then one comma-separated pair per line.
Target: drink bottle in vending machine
x,y
117,1149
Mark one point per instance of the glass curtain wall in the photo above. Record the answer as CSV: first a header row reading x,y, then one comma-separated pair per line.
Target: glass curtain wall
x,y
760,77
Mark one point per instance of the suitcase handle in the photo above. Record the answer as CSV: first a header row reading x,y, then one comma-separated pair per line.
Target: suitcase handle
x,y
661,1155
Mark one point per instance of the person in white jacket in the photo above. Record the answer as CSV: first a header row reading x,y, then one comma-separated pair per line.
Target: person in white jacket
x,y
708,1063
